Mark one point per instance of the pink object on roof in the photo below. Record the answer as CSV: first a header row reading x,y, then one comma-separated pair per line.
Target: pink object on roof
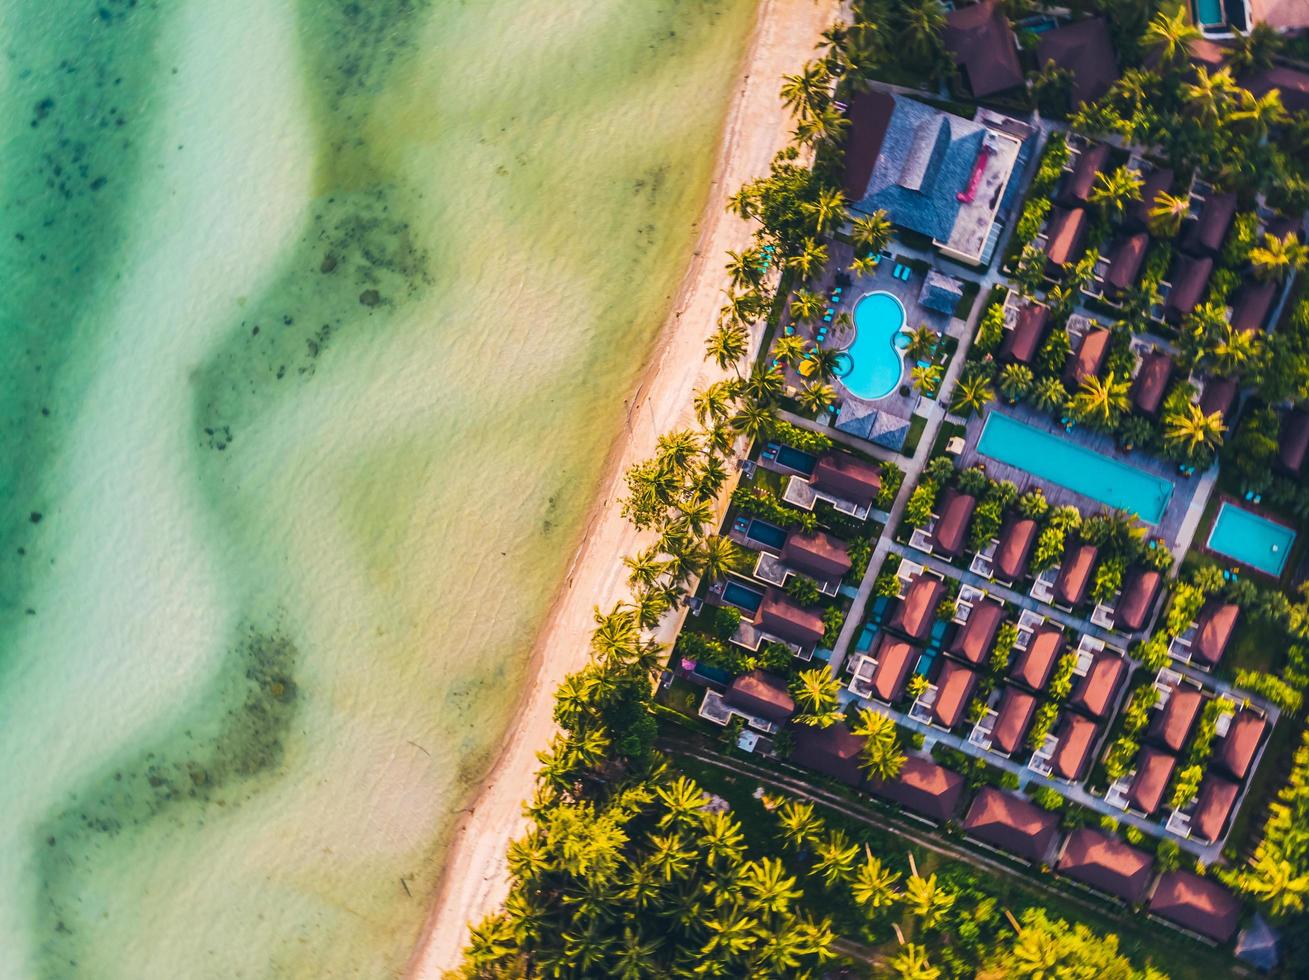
x,y
966,195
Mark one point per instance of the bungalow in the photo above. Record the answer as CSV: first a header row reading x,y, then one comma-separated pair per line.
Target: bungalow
x,y
1151,382
781,616
1076,738
1219,396
1239,746
1140,589
763,695
984,48
1035,664
1074,579
952,525
1154,770
1107,864
1012,719
846,477
913,614
1199,905
1252,304
1079,183
1154,183
1124,260
1011,824
1095,693
1188,281
832,751
1063,237
1213,631
895,658
973,640
929,790
1024,339
1171,724
818,555
1014,548
954,688
1205,235
1293,442
1089,358
1213,807
1085,49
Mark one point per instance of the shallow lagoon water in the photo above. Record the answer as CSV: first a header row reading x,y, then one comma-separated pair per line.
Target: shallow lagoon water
x,y
318,321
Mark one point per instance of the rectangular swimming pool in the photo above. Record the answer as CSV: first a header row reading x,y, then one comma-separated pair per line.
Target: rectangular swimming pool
x,y
1085,471
765,533
1250,539
1209,13
796,459
742,596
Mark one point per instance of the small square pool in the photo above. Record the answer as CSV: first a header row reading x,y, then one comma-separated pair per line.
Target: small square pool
x,y
795,459
742,596
1250,539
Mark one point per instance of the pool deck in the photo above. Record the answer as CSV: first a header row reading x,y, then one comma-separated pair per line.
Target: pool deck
x,y
1180,517
1256,510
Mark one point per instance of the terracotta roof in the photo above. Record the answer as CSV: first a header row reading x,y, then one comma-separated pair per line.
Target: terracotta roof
x,y
1219,396
1213,806
1064,235
1252,303
1171,725
1011,824
983,45
1205,235
1198,904
1189,279
1085,49
1153,184
1096,691
954,686
1293,84
1213,630
782,616
1153,771
895,658
761,694
1140,589
1013,716
925,788
1074,578
1014,548
1204,52
1126,256
1293,441
833,751
1152,381
1024,340
847,477
1106,863
952,524
818,554
869,114
913,614
1077,188
1089,357
1076,736
974,639
1035,664
1237,751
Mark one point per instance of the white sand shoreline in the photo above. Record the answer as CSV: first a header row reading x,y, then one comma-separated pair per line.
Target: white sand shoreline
x,y
475,879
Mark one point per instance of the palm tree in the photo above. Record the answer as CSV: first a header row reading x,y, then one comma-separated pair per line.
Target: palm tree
x,y
1016,381
926,378
924,23
713,402
683,803
827,125
718,556
728,344
742,307
1257,49
1210,94
817,397
790,350
644,568
670,855
807,305
873,887
1276,883
763,385
1049,393
812,256
745,268
922,343
752,420
1101,403
972,393
616,635
634,955
800,826
768,884
864,265
816,694
872,232
1171,33
825,361
826,211
1260,113
926,899
1193,433
1166,214
1277,256
804,92
1114,189
1235,351
836,855
911,963
882,759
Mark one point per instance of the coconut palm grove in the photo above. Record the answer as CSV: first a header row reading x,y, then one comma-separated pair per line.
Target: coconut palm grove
x,y
969,636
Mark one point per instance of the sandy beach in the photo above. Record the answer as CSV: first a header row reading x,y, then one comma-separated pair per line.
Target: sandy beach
x,y
756,127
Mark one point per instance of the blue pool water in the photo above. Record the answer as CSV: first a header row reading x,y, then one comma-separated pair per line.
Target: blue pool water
x,y
794,459
1209,12
765,533
1081,470
739,595
1250,539
872,364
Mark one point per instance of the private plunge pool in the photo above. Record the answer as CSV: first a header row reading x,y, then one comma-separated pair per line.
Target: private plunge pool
x,y
1250,539
1085,471
871,366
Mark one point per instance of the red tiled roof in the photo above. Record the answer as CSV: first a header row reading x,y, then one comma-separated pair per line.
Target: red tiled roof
x,y
1292,83
1106,863
1205,235
1012,718
833,751
954,686
1140,589
1152,185
925,788
983,45
1219,396
1126,256
1024,340
1213,630
1097,689
1237,751
895,658
1011,824
761,694
1035,664
1074,578
1198,904
1153,771
1014,548
1213,806
1152,382
952,524
1085,49
1064,235
1252,303
1089,357
1077,188
1293,441
847,477
1076,736
913,614
782,616
819,555
1189,279
974,639
869,114
1172,724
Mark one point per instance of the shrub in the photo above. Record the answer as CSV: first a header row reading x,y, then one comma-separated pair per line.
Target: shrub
x,y
1048,799
986,523
1133,834
803,590
776,657
1108,579
1153,653
946,610
940,469
973,481
892,479
1168,856
1273,688
724,621
1109,824
806,440
1033,505
887,585
1183,608
922,503
990,330
833,620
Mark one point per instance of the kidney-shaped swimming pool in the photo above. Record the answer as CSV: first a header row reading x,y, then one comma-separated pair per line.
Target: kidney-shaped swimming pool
x,y
872,365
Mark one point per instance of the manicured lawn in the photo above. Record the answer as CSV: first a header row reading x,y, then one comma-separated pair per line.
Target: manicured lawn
x,y
916,426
